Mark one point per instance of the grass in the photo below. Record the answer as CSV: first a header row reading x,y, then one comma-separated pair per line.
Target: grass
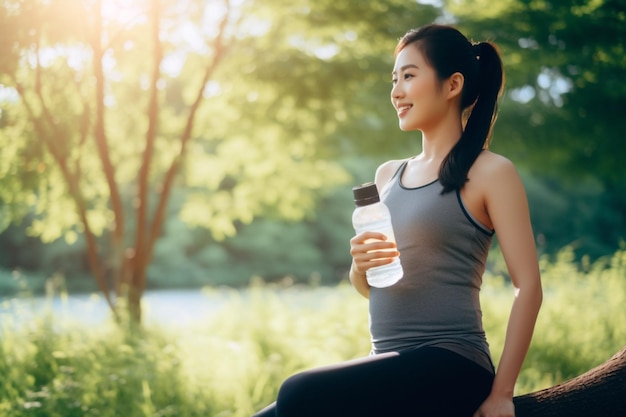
x,y
231,363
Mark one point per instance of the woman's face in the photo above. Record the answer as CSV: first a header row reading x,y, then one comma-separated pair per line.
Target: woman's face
x,y
417,93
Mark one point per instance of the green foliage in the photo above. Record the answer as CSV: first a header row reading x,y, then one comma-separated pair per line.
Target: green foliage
x,y
562,114
112,108
583,210
564,60
295,84
16,283
579,325
313,250
296,112
590,302
64,374
232,362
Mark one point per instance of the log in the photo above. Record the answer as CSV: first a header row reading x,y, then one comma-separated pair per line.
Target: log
x,y
600,392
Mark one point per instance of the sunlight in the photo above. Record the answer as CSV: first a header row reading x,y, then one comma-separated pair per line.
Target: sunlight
x,y
554,86
325,52
8,94
435,3
523,94
125,12
212,89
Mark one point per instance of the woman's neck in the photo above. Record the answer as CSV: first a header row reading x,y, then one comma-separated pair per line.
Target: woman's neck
x,y
440,138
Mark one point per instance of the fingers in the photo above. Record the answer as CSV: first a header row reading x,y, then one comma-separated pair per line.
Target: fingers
x,y
367,236
374,250
367,242
370,249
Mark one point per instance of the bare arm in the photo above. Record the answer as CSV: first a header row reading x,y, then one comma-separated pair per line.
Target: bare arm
x,y
359,281
507,206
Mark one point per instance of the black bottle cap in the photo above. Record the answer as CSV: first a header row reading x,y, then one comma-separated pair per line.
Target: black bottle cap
x,y
365,194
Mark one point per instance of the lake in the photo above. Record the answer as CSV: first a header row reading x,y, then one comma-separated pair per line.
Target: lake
x,y
168,307
165,307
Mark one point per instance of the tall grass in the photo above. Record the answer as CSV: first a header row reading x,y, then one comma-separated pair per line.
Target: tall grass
x,y
232,362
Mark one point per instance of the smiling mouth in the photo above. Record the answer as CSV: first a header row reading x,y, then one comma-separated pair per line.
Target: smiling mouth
x,y
404,108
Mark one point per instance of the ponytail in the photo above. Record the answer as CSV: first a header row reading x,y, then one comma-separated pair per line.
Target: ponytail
x,y
481,99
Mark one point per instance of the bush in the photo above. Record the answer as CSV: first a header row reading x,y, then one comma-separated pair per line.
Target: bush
x,y
232,362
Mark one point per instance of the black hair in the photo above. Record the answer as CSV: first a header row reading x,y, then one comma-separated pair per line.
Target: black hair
x,y
448,51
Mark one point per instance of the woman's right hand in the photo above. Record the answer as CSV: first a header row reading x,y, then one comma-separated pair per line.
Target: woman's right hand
x,y
371,249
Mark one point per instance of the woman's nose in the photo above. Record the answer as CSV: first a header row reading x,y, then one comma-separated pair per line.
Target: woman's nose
x,y
396,90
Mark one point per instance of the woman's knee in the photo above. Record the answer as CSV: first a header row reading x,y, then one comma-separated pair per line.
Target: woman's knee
x,y
296,394
295,387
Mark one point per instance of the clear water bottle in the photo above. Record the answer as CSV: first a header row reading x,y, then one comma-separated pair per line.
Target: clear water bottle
x,y
371,215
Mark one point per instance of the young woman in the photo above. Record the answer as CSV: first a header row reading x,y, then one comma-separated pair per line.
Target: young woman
x,y
430,356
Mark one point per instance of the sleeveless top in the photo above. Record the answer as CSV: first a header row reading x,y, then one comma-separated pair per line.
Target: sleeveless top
x,y
443,251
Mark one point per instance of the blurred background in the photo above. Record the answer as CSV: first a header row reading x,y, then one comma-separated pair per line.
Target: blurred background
x,y
166,146
264,114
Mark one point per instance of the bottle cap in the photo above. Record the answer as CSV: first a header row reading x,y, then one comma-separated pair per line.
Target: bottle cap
x,y
365,194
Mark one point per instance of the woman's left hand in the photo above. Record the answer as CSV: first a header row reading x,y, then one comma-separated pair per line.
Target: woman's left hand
x,y
496,406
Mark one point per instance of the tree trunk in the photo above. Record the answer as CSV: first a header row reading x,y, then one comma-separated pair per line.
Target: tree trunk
x,y
600,392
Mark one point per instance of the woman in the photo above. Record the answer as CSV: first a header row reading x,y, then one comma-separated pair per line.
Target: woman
x,y
429,352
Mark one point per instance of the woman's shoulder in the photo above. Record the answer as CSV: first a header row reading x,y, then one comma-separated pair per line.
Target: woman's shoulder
x,y
490,165
494,174
386,171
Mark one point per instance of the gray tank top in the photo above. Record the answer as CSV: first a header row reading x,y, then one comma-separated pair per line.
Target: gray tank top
x,y
443,251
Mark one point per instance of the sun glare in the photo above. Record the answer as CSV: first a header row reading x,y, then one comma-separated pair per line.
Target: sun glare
x,y
126,12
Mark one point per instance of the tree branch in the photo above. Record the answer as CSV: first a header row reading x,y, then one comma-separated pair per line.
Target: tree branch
x,y
73,188
101,139
218,53
144,173
599,392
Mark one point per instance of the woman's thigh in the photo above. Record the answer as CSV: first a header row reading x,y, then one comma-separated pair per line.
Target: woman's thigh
x,y
421,382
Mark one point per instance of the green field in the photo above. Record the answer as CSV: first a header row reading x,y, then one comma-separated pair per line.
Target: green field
x,y
231,363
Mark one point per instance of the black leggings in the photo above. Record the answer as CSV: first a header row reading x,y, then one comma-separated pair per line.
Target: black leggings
x,y
428,381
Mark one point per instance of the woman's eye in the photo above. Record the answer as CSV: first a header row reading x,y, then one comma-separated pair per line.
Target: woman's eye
x,y
407,76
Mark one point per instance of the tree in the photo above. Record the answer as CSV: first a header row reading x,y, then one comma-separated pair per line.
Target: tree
x,y
109,106
600,392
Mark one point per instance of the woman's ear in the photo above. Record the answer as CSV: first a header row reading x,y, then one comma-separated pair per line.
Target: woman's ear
x,y
455,85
